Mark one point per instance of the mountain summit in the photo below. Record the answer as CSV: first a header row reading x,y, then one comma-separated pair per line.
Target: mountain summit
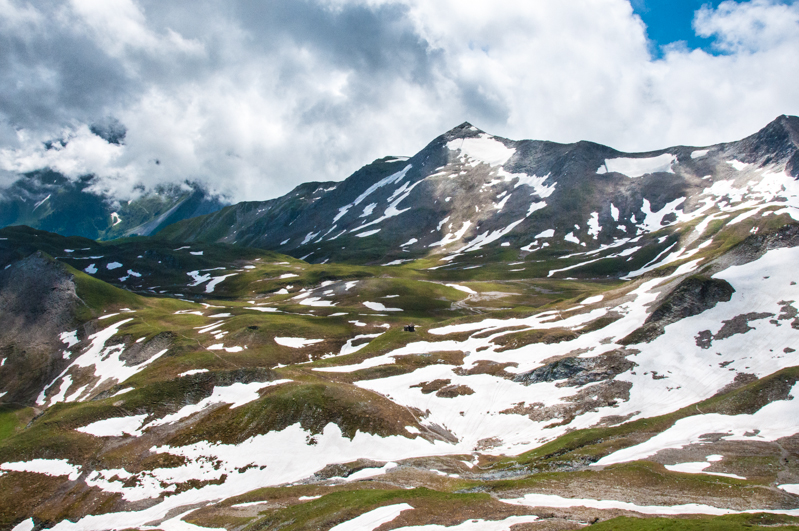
x,y
468,191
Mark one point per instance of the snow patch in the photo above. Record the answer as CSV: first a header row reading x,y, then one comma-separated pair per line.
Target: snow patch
x,y
48,467
296,342
209,288
368,233
376,306
373,519
638,167
192,372
482,148
462,288
70,338
115,427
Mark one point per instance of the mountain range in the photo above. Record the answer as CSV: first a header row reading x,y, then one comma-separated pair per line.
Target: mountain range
x,y
468,191
48,200
490,334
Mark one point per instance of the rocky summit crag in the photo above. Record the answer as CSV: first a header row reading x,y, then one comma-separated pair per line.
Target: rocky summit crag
x,y
601,339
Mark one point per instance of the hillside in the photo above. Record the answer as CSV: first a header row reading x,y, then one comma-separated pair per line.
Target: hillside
x,y
623,357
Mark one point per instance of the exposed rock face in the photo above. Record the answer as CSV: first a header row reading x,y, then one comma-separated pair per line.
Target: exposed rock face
x,y
578,371
692,296
37,303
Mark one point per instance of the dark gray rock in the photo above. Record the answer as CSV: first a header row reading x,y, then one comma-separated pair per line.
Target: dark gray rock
x,y
38,302
691,297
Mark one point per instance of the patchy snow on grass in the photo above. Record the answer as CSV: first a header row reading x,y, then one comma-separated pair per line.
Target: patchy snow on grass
x,y
48,467
198,278
113,265
475,525
288,275
592,300
462,288
700,467
317,301
178,524
106,362
115,427
296,342
349,348
221,346
263,309
196,253
546,234
373,519
91,269
236,395
367,233
252,504
192,372
553,500
766,424
229,463
209,288
378,307
638,167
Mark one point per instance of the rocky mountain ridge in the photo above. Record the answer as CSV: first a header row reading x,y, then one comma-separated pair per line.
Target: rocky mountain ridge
x,y
467,191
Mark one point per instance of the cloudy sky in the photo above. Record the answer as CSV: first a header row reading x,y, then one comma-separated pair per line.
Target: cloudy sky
x,y
253,97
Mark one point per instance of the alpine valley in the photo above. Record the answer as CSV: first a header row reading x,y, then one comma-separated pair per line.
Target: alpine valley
x,y
488,335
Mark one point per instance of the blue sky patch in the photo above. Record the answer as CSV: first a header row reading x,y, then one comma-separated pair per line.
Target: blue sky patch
x,y
670,21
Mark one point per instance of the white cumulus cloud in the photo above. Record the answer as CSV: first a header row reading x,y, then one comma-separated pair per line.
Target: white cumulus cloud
x,y
253,98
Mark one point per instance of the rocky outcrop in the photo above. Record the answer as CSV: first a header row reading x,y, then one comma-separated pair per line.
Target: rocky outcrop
x,y
692,296
38,302
577,371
